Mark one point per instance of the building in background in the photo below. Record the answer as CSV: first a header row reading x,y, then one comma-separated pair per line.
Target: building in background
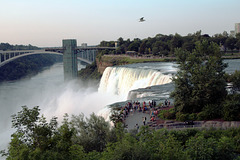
x,y
237,28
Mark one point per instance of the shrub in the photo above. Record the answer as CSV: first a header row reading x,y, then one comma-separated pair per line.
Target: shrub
x,y
167,114
210,111
231,108
201,116
181,116
192,116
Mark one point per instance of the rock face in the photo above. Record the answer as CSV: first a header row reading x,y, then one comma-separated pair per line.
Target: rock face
x,y
109,60
102,65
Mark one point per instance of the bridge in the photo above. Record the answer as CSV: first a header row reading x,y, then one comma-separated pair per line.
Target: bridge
x,y
8,56
70,51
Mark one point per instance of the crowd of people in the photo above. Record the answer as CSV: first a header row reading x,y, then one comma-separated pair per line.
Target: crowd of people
x,y
150,108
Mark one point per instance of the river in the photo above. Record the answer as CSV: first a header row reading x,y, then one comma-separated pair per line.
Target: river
x,y
55,98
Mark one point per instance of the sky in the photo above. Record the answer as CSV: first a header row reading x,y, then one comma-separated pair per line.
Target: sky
x,y
44,23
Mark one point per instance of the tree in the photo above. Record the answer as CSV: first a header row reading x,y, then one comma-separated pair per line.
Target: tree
x,y
199,80
231,108
155,50
238,45
134,45
90,133
170,148
36,139
200,148
127,148
142,47
33,134
219,39
176,42
189,46
120,41
230,43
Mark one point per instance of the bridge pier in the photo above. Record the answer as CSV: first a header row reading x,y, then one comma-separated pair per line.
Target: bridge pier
x,y
70,59
4,57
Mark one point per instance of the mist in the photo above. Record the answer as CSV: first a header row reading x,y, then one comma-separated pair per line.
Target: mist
x,y
53,96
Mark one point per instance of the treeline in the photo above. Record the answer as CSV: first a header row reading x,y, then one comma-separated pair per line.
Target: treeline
x,y
92,138
165,45
7,46
27,66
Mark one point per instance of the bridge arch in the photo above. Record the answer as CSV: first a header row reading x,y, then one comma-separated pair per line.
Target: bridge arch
x,y
33,52
25,54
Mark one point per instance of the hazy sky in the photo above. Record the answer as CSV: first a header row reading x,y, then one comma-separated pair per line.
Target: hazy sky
x,y
47,22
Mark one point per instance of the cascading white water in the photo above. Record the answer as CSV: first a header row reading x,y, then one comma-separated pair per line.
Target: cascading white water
x,y
120,80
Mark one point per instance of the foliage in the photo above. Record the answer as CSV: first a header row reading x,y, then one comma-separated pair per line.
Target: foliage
x,y
90,72
128,148
201,148
169,146
182,117
90,133
210,148
167,114
166,44
210,111
7,46
186,116
91,138
199,81
231,108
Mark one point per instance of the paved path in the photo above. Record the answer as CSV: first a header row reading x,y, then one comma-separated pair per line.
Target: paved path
x,y
136,118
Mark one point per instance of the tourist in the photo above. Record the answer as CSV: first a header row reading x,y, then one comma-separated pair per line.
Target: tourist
x,y
131,111
152,118
144,120
137,127
154,103
150,104
166,103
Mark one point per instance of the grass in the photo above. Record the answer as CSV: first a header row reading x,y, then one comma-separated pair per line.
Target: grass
x,y
121,60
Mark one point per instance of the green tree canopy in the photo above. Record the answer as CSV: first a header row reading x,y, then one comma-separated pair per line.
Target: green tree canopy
x,y
199,81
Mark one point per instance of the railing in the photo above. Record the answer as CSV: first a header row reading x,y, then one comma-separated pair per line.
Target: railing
x,y
172,125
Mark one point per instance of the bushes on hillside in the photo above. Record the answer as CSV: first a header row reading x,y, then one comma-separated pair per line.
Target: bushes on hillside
x,y
92,138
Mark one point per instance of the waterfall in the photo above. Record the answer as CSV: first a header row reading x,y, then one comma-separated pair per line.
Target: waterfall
x,y
121,80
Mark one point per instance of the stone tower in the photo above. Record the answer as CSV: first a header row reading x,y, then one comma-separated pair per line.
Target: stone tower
x,y
70,59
